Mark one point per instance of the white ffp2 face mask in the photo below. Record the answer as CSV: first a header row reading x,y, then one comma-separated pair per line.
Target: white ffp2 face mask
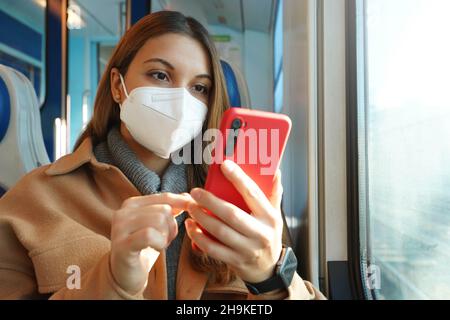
x,y
163,120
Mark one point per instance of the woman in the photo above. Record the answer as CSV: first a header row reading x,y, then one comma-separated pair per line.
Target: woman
x,y
109,220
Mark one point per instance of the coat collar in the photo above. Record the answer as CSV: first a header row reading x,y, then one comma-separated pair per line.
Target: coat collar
x,y
82,155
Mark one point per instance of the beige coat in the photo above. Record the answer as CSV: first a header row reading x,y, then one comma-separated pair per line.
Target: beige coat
x,y
59,215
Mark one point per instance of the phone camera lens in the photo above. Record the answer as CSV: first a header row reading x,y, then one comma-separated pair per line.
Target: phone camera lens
x,y
237,124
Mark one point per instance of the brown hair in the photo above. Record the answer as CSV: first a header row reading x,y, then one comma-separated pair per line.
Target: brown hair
x,y
107,111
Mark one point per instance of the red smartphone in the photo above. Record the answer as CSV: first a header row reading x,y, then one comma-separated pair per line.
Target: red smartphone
x,y
255,140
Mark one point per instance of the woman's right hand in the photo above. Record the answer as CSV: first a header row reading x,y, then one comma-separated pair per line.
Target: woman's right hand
x,y
141,223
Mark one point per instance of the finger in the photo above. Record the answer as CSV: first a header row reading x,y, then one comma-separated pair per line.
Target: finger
x,y
220,230
252,194
277,191
147,237
157,216
178,202
233,216
210,247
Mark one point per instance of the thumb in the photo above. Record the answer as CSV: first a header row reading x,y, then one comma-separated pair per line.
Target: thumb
x,y
150,256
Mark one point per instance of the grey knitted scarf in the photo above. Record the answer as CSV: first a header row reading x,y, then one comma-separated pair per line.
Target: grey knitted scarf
x,y
115,151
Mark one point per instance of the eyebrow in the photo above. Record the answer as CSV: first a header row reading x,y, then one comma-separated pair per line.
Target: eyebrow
x,y
207,76
170,66
162,61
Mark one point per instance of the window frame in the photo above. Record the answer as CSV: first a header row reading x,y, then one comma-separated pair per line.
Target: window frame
x,y
331,92
355,81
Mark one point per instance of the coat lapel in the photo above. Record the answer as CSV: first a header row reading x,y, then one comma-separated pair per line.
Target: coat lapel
x,y
157,280
190,283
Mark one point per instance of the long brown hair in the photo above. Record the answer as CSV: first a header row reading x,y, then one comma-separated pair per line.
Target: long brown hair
x,y
107,111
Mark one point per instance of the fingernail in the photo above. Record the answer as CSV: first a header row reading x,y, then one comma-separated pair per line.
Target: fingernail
x,y
196,193
188,198
228,166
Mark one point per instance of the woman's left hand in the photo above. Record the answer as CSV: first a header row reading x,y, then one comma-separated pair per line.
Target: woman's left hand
x,y
250,244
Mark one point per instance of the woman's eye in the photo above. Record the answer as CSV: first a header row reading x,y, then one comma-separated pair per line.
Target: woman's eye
x,y
201,89
161,76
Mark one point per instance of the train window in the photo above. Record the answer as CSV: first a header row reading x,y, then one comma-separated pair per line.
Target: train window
x,y
404,150
94,29
25,53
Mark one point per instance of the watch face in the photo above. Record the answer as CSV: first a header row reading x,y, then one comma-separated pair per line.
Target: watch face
x,y
288,268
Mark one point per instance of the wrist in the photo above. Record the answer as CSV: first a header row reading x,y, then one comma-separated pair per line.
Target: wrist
x,y
266,274
256,278
281,277
118,288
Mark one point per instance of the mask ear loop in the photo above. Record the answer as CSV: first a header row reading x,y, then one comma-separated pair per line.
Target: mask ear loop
x,y
123,84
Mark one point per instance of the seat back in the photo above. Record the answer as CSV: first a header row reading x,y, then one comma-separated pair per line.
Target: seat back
x,y
236,85
22,146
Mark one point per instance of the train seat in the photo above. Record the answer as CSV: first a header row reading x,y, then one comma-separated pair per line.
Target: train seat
x,y
236,85
22,146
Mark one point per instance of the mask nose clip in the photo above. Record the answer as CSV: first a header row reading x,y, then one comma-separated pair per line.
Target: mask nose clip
x,y
167,97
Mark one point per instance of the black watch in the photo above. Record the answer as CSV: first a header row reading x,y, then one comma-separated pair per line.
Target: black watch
x,y
284,272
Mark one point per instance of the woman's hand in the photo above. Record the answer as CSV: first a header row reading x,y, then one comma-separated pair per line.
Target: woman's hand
x,y
141,226
250,244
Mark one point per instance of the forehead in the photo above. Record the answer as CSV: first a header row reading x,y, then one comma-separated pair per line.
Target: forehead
x,y
183,52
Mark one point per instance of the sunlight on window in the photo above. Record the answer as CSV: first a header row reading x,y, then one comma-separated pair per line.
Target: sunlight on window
x,y
408,146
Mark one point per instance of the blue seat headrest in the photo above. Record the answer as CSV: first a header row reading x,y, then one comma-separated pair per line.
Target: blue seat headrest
x,y
5,109
232,85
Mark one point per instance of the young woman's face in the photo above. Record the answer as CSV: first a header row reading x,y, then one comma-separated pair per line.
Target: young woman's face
x,y
168,61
